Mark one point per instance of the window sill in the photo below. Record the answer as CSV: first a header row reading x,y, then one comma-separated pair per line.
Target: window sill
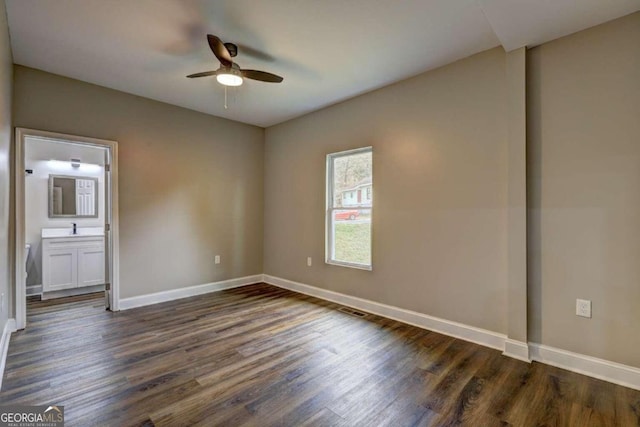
x,y
349,265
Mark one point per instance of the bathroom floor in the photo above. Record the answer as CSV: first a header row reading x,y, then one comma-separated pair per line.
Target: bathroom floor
x,y
35,305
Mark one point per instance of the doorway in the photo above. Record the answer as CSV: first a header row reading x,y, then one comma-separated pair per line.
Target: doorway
x,y
71,235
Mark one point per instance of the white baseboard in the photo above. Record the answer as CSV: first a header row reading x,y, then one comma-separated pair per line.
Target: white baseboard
x,y
617,373
424,321
517,350
9,328
34,290
173,294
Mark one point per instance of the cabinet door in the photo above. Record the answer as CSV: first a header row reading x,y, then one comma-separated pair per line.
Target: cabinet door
x,y
91,266
60,268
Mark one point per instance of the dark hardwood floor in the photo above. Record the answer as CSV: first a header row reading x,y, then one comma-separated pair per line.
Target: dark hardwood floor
x,y
260,355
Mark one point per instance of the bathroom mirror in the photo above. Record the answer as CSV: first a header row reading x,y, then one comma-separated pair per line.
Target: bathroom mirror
x,y
73,197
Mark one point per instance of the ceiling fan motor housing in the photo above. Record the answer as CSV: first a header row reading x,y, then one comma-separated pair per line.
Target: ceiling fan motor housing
x,y
232,48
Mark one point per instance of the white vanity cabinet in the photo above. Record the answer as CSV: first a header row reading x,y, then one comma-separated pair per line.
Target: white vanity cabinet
x,y
72,262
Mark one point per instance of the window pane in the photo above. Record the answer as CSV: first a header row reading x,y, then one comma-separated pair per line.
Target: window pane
x,y
352,180
349,210
352,236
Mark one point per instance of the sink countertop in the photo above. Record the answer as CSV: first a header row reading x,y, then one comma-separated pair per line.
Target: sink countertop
x,y
48,233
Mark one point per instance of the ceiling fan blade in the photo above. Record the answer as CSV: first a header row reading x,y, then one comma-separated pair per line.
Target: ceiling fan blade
x,y
203,74
263,76
219,50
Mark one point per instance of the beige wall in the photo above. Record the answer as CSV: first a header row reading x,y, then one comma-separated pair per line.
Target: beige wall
x,y
190,184
584,194
440,189
5,151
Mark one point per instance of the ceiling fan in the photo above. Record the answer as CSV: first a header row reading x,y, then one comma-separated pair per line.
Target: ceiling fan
x,y
230,73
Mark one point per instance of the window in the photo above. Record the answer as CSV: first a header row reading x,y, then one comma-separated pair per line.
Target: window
x,y
348,215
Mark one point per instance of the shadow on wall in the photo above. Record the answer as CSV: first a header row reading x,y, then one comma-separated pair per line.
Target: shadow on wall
x,y
34,274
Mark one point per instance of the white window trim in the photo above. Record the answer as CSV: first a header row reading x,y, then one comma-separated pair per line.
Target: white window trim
x,y
329,211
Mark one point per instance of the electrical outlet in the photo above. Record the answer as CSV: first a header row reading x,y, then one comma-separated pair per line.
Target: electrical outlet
x,y
583,308
217,259
309,261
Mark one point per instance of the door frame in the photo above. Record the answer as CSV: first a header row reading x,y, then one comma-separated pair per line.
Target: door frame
x,y
111,217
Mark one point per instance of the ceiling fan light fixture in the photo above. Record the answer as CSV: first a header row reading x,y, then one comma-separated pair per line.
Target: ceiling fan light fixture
x,y
230,73
229,78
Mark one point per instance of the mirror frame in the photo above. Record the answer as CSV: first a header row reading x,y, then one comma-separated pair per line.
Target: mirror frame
x,y
52,215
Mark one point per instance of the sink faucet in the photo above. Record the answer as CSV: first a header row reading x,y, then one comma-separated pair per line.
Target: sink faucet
x,y
75,229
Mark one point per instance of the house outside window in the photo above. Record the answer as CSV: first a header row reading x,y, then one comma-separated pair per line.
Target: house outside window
x,y
349,208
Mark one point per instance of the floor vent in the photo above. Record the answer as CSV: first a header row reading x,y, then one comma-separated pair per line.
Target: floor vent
x,y
352,312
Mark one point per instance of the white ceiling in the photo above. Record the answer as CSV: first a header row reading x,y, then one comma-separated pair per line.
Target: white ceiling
x,y
327,50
